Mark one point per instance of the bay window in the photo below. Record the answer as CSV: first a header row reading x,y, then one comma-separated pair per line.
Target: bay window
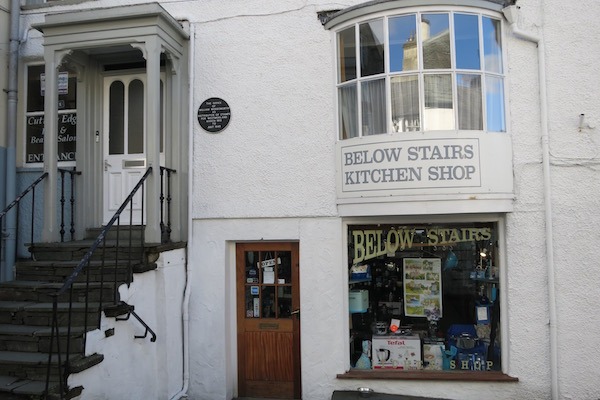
x,y
421,71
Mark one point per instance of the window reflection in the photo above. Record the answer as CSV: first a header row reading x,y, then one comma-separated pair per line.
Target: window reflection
x,y
435,33
346,55
371,48
469,101
404,55
466,40
439,111
492,45
405,103
494,98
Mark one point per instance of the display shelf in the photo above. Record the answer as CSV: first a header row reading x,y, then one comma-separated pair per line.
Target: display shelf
x,y
486,280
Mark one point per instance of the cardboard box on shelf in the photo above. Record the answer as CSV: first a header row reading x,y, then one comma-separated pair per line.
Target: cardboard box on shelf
x,y
433,358
358,301
396,352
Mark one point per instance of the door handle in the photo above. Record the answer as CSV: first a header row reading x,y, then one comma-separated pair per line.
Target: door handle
x,y
296,312
106,165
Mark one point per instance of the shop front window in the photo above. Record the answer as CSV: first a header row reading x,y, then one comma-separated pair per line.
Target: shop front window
x,y
420,72
67,115
424,297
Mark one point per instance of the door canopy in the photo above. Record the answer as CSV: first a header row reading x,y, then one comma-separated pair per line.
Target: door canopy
x,y
94,40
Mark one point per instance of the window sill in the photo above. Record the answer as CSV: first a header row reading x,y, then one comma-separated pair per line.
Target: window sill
x,y
490,376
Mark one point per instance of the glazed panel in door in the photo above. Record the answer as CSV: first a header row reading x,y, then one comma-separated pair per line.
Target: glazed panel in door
x,y
268,317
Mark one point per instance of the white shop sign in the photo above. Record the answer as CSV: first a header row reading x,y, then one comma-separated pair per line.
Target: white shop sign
x,y
411,164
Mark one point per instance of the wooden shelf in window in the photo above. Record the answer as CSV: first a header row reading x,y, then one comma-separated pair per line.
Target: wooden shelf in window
x,y
353,281
475,376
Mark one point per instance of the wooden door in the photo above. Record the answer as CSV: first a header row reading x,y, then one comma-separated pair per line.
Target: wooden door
x,y
268,317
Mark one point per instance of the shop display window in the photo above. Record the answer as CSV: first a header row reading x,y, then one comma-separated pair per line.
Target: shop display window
x,y
424,297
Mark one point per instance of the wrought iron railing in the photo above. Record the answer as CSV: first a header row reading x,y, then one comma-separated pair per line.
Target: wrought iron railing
x,y
99,252
16,203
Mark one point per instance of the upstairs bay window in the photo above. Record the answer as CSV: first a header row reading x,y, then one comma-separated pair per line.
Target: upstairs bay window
x,y
422,71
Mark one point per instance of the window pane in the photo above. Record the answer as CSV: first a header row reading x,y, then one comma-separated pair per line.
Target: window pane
x,y
371,48
492,45
35,99
116,118
436,286
439,111
373,107
405,103
435,34
346,55
466,36
135,119
404,55
348,105
494,99
468,90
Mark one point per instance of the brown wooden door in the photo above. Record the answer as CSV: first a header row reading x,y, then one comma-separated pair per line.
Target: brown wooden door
x,y
268,316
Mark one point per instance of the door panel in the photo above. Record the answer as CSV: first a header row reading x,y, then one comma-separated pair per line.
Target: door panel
x,y
125,133
268,320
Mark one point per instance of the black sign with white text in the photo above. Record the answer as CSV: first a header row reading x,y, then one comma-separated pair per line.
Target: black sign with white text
x,y
214,115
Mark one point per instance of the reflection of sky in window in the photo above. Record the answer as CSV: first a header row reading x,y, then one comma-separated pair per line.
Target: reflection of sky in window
x,y
401,29
491,46
494,99
466,33
438,23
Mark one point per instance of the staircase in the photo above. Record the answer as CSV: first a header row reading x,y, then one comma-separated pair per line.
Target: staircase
x,y
26,309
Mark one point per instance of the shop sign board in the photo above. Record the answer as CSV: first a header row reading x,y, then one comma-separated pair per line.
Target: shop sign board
x,y
67,138
436,163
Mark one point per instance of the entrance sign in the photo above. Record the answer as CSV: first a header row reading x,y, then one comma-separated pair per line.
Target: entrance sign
x,y
214,115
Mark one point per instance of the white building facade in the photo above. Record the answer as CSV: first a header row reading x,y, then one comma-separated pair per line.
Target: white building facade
x,y
434,161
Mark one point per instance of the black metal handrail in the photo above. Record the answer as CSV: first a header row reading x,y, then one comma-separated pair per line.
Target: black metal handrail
x,y
83,267
16,202
72,173
165,227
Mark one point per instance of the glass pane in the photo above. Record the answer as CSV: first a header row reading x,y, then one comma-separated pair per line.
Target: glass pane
x,y
135,118
252,301
284,301
469,101
404,55
405,103
35,98
252,267
494,100
116,118
439,111
348,109
346,55
372,56
373,107
435,33
492,45
466,36
284,267
268,305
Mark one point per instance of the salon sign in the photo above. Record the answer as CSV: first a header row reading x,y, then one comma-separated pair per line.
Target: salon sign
x,y
410,164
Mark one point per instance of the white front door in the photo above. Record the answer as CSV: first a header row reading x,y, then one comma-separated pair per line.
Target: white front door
x,y
124,144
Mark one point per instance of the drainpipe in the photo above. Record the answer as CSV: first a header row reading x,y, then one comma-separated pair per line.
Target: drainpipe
x,y
185,306
11,132
511,14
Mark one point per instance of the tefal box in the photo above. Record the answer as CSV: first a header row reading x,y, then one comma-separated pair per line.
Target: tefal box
x,y
396,352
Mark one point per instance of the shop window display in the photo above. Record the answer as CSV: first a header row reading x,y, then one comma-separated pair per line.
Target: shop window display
x,y
424,297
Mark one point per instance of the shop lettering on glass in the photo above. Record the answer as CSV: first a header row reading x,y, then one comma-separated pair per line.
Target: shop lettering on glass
x,y
411,164
373,243
67,139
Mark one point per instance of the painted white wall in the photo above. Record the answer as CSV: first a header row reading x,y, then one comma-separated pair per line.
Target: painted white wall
x,y
138,368
271,176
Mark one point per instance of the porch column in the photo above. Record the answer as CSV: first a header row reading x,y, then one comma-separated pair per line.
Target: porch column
x,y
50,231
153,112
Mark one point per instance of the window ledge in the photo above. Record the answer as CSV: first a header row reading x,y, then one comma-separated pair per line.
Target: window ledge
x,y
489,376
